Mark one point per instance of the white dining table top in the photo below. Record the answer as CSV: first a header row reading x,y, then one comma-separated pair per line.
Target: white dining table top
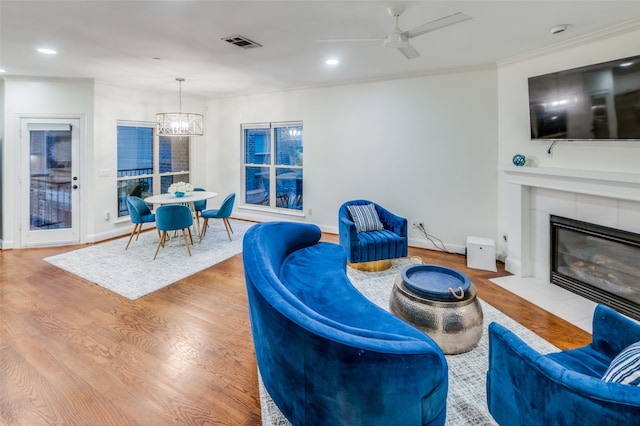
x,y
188,198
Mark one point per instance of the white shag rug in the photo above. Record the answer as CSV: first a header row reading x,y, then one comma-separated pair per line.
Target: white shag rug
x,y
133,273
466,400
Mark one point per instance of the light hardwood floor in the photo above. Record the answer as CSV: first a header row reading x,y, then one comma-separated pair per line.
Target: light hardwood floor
x,y
74,353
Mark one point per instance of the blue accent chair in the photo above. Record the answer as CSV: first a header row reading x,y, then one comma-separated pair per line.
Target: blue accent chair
x,y
326,354
389,243
525,387
173,217
139,213
224,212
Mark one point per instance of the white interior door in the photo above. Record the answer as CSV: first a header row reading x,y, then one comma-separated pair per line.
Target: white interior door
x,y
50,181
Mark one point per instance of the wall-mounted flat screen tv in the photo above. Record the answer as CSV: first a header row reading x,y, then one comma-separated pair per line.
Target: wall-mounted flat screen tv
x,y
596,102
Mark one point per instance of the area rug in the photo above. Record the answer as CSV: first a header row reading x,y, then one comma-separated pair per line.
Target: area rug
x,y
466,400
133,273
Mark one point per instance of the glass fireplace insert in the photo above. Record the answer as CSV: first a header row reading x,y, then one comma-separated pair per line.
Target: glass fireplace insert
x,y
597,262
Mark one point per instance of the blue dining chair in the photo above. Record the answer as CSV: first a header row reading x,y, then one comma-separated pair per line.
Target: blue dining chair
x,y
199,206
224,212
174,217
139,214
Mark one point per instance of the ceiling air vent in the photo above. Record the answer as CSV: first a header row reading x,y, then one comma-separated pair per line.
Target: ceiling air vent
x,y
241,41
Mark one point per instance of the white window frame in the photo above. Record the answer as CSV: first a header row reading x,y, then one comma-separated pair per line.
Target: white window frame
x,y
272,169
155,175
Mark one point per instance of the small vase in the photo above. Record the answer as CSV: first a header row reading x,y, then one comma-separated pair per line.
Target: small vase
x,y
179,194
519,160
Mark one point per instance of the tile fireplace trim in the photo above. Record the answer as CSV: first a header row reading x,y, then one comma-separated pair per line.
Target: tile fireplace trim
x,y
520,180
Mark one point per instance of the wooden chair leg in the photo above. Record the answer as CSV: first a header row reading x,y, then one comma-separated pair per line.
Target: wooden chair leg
x,y
226,227
226,219
186,242
132,234
203,230
163,237
139,229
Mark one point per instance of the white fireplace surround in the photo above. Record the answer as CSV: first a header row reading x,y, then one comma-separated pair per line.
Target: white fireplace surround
x,y
533,193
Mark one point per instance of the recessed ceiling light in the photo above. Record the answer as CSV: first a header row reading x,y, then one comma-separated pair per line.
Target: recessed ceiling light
x,y
559,28
47,51
2,70
332,62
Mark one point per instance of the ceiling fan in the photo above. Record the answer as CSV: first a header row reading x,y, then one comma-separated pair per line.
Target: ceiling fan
x,y
400,39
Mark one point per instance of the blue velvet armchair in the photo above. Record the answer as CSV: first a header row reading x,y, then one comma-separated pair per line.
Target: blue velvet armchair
x,y
368,247
525,387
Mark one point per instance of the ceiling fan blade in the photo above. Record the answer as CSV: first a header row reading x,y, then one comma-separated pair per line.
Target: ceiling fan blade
x,y
340,40
437,24
409,51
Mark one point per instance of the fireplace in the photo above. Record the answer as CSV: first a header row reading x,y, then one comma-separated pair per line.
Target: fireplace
x,y
597,262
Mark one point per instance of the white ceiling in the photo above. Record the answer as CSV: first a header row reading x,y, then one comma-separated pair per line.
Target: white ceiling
x,y
117,41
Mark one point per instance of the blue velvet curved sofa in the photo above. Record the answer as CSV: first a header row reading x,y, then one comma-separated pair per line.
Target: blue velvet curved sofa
x,y
525,387
326,354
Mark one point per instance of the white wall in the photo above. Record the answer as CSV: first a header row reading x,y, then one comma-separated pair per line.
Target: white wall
x,y
2,178
513,114
424,147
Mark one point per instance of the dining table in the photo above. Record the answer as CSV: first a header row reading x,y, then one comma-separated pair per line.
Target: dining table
x,y
188,199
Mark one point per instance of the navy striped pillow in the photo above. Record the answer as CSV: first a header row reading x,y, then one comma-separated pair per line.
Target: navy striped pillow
x,y
625,368
365,217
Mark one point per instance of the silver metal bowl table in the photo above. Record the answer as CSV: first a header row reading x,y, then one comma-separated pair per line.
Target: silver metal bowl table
x,y
454,323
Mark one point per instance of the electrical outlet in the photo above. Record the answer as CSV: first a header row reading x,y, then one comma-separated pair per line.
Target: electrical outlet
x,y
417,225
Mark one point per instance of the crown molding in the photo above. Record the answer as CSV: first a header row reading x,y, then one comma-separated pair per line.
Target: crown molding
x,y
615,30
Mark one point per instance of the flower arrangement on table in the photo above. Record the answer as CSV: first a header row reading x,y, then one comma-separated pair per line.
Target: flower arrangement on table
x,y
179,189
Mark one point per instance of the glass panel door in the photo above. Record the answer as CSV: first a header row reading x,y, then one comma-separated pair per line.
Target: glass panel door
x,y
50,213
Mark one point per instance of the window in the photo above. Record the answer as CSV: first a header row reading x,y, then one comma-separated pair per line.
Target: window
x,y
273,171
148,164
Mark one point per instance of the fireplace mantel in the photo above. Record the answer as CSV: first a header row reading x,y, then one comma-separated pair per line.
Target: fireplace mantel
x,y
520,180
621,186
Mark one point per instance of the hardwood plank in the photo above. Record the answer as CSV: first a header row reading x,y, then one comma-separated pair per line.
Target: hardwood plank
x,y
75,353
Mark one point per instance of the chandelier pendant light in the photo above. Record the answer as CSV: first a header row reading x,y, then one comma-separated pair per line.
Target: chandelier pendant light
x,y
179,123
